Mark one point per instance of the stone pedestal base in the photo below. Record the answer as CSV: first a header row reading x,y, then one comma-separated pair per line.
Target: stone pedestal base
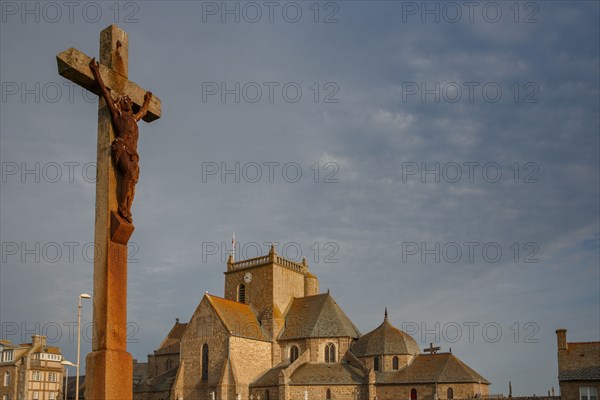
x,y
111,372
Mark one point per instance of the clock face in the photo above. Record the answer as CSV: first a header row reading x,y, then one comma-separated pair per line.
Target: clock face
x,y
248,277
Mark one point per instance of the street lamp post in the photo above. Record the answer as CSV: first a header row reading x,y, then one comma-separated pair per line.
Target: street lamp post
x,y
66,364
81,296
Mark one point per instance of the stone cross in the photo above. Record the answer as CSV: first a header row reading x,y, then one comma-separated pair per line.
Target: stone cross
x,y
431,349
109,367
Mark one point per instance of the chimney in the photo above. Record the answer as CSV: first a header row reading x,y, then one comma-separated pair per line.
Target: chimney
x,y
561,338
38,340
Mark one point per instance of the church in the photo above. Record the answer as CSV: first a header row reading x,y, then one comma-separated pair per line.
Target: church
x,y
275,336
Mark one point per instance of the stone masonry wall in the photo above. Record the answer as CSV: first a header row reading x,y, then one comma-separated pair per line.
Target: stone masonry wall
x,y
427,391
204,327
570,390
318,392
251,358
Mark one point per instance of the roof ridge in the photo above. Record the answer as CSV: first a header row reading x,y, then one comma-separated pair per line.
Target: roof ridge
x,y
321,308
576,343
168,335
210,301
223,309
444,365
223,298
385,324
470,371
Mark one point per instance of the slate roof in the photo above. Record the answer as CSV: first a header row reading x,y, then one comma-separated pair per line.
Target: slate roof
x,y
317,316
581,361
430,368
327,374
140,372
239,318
161,383
383,340
23,349
269,378
170,344
51,350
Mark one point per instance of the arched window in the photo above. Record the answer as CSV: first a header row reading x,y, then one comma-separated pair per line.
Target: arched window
x,y
328,394
395,365
267,394
413,394
242,293
6,378
293,353
329,353
450,393
376,363
205,362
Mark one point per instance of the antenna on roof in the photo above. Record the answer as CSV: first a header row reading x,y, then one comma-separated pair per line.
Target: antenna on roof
x,y
233,247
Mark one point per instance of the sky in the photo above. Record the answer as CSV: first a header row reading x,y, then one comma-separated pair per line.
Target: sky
x,y
440,159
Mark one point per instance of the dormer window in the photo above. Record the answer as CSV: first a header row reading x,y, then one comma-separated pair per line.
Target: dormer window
x,y
7,356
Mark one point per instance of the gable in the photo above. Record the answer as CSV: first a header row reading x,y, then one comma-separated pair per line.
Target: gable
x,y
580,362
239,319
171,342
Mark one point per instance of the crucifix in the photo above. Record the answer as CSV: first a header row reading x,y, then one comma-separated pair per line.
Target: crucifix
x,y
431,349
109,367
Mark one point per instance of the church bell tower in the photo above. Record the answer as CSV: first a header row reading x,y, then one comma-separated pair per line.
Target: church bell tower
x,y
269,284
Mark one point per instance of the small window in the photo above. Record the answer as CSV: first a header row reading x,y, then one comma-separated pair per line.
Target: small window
x,y
205,362
395,363
413,394
36,376
330,353
293,354
588,393
376,363
36,395
328,394
52,376
7,355
242,293
267,394
51,396
450,393
6,378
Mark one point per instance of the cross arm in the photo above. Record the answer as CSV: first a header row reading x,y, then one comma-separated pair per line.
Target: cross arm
x,y
74,65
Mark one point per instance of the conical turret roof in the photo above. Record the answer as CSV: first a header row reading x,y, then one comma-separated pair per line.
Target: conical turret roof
x,y
385,340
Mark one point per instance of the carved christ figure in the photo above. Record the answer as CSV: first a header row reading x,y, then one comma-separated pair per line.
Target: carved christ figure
x,y
124,147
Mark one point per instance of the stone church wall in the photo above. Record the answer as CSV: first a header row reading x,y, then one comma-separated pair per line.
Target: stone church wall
x,y
204,327
250,357
427,391
319,392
